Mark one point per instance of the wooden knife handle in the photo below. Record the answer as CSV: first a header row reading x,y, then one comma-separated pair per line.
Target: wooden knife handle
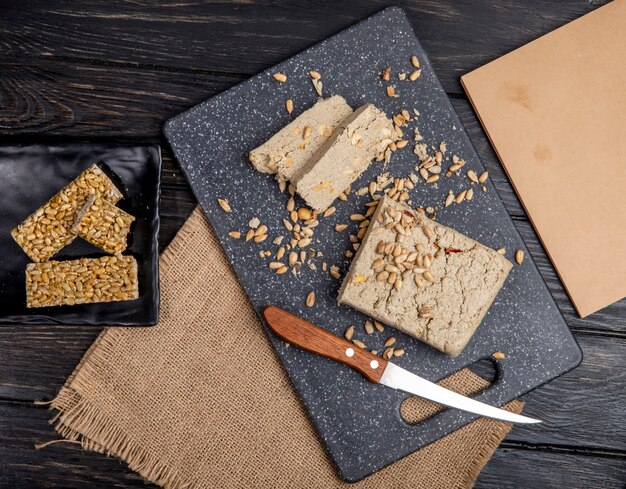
x,y
316,340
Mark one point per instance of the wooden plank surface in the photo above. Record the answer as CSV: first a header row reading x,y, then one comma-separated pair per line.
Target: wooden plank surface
x,y
68,466
114,71
246,37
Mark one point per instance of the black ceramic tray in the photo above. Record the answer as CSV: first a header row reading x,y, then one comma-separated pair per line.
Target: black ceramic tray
x,y
360,422
33,174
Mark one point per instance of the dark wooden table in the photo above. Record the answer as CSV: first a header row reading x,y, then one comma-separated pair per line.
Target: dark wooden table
x,y
114,71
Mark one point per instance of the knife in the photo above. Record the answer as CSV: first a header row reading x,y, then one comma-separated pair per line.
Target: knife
x,y
374,368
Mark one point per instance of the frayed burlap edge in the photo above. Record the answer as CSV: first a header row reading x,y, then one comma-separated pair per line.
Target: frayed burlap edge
x,y
79,421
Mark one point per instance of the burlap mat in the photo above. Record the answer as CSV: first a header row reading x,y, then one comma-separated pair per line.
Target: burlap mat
x,y
201,400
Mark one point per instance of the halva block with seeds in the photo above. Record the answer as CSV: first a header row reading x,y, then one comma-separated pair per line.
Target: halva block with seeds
x,y
103,225
291,147
49,228
339,161
82,281
423,278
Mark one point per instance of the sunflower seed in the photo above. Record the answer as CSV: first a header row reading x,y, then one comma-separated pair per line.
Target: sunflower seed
x,y
399,352
415,62
432,179
502,251
330,211
415,75
471,174
449,199
388,353
498,355
310,299
378,325
483,177
360,344
249,234
234,234
402,143
304,213
390,341
391,91
289,105
280,77
369,327
224,205
426,312
428,276
519,256
349,333
282,270
340,227
315,74
260,230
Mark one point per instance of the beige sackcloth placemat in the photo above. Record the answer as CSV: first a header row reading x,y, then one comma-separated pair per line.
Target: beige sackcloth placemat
x,y
200,400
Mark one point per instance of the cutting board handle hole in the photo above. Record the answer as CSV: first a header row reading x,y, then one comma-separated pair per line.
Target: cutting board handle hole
x,y
482,375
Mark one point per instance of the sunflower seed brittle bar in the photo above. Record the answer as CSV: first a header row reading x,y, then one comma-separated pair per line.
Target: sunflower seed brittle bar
x,y
49,228
103,225
82,281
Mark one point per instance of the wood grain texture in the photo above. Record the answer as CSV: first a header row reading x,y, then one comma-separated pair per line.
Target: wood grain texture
x,y
67,466
114,71
524,469
246,37
319,341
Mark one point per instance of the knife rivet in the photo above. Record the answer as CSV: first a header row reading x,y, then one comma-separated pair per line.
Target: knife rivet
x,y
349,352
374,364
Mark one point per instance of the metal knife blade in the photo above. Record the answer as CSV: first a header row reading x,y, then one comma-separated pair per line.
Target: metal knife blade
x,y
399,378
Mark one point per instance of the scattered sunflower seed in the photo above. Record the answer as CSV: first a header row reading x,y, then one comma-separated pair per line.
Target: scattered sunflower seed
x,y
415,75
310,299
224,205
498,355
280,77
349,333
519,256
234,234
399,352
390,341
289,105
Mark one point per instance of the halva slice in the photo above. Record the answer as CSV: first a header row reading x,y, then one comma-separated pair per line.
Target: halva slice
x,y
82,281
103,225
423,278
347,154
49,228
291,147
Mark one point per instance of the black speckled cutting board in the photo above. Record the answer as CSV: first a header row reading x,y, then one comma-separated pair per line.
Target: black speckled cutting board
x,y
358,421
